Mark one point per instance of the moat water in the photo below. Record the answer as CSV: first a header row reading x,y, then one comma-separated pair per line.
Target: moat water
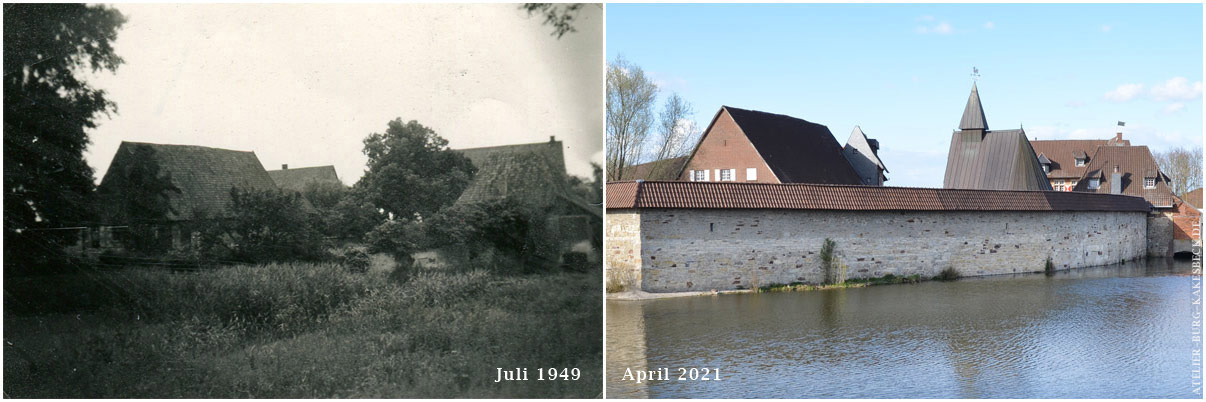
x,y
1121,331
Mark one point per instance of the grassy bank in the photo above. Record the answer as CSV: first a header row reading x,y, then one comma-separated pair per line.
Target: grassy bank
x,y
298,331
889,279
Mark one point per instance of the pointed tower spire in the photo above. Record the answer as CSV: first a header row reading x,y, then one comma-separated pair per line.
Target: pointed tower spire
x,y
973,114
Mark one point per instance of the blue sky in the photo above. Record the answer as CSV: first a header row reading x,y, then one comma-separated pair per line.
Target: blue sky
x,y
902,71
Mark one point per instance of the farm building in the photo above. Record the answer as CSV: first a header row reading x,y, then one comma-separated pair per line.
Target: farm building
x,y
297,179
197,182
534,175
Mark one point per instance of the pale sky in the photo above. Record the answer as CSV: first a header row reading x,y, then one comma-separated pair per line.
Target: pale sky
x,y
304,84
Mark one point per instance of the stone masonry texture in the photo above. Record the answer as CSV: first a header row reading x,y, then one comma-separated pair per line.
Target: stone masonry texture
x,y
671,250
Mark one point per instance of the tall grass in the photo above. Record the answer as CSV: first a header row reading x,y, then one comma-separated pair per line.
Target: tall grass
x,y
300,331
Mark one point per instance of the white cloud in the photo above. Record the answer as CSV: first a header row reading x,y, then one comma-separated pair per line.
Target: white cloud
x,y
1124,92
1106,28
1177,88
990,25
942,28
1174,107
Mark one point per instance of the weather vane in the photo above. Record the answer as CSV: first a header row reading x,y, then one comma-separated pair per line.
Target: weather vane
x,y
975,74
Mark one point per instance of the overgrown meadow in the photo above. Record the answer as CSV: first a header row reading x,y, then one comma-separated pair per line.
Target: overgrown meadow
x,y
299,330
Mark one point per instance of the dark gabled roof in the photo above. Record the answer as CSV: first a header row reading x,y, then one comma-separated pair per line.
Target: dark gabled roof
x,y
711,195
1043,159
973,113
665,169
1063,155
994,160
796,150
204,175
533,174
869,148
296,179
1134,163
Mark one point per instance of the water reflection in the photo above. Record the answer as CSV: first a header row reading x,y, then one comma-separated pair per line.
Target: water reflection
x,y
1118,331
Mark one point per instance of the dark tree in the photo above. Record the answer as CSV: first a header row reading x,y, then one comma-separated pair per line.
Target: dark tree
x,y
47,109
412,171
143,198
560,16
263,226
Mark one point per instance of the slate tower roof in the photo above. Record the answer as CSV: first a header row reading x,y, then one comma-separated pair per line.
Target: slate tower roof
x,y
991,159
973,113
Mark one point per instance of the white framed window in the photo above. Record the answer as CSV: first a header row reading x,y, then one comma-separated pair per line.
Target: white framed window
x,y
699,175
727,175
751,174
1046,168
1149,182
1058,185
1094,184
1080,162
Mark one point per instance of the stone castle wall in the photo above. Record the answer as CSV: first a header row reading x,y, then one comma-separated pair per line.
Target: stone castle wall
x,y
704,249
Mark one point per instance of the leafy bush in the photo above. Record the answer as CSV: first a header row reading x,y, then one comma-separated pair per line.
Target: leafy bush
x,y
948,274
354,260
262,226
516,231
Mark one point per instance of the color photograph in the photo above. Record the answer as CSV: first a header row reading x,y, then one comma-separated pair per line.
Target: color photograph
x,y
903,201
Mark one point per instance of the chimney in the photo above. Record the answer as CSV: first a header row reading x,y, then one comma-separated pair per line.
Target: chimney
x,y
1115,168
552,138
284,166
1117,139
1116,182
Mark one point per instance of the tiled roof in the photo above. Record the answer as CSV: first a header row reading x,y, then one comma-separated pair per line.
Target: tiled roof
x,y
204,175
993,160
708,195
797,150
1063,154
296,179
1134,163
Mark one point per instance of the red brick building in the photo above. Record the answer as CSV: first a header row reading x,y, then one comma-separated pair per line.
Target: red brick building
x,y
757,147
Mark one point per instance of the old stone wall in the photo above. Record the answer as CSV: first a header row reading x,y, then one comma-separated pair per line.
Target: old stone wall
x,y
703,249
1160,230
623,248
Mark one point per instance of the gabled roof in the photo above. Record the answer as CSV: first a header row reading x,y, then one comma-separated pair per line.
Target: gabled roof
x,y
994,160
728,195
204,175
1134,163
1194,198
1042,158
665,169
858,141
533,174
796,150
973,113
296,179
1063,155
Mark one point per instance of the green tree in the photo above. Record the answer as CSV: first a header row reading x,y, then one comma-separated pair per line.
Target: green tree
x,y
411,170
47,110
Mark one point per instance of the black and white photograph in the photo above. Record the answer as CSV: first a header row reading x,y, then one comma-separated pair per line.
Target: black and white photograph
x,y
303,201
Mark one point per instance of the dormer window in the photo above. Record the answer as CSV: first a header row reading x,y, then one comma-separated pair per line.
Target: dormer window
x,y
1080,162
1094,184
1046,168
1149,182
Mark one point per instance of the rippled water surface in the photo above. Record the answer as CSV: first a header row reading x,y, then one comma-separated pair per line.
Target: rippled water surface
x,y
1122,331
